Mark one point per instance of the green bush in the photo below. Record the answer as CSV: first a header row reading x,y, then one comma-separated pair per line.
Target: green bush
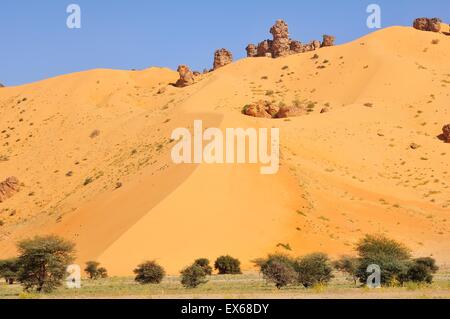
x,y
427,262
227,265
278,269
421,270
193,276
313,269
43,262
94,271
204,263
348,265
9,269
149,272
392,257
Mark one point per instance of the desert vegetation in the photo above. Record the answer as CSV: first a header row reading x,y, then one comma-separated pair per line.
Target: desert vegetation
x,y
41,267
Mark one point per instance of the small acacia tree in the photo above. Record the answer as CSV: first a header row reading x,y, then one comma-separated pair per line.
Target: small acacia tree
x,y
9,269
204,263
94,271
313,269
278,269
149,272
392,257
43,262
227,265
193,276
348,265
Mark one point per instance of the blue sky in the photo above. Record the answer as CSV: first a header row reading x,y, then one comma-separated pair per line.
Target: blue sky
x,y
126,34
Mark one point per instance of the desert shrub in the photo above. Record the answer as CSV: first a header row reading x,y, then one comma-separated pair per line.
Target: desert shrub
x,y
421,270
9,269
278,269
418,273
348,265
43,262
149,272
193,276
428,262
94,271
227,265
102,272
392,257
313,269
204,264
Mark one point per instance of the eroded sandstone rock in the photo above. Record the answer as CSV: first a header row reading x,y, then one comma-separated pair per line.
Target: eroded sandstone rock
x,y
186,76
446,133
328,40
222,57
8,188
281,41
252,51
268,109
258,109
264,47
426,24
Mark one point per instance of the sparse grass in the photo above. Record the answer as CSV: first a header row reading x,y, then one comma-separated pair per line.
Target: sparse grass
x,y
94,133
248,285
88,181
435,41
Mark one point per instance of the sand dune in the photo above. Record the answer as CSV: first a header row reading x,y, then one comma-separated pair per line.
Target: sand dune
x,y
73,140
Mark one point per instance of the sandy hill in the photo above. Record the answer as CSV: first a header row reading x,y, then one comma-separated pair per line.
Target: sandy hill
x,y
92,151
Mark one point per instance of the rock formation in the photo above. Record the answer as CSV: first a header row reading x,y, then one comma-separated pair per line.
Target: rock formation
x,y
258,109
296,47
426,24
252,51
280,44
328,40
186,76
267,109
264,48
1,85
222,57
8,188
446,133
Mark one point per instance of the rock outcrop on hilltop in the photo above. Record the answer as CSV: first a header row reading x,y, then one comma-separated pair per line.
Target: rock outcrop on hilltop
x,y
427,24
222,57
446,133
1,85
328,40
281,41
186,76
252,50
8,188
282,45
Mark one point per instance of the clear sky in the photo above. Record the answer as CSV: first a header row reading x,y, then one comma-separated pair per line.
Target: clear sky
x,y
127,34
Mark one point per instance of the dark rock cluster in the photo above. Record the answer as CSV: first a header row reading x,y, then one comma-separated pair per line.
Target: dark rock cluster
x,y
283,45
427,24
